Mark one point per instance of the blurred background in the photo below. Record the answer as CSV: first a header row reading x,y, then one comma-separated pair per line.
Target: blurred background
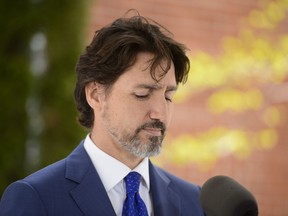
x,y
231,117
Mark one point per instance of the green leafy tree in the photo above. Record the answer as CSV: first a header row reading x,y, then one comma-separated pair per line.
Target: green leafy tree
x,y
40,42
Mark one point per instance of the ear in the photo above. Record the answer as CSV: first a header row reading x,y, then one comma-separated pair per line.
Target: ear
x,y
94,95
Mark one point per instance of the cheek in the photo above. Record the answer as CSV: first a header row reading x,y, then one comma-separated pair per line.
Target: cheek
x,y
138,112
128,113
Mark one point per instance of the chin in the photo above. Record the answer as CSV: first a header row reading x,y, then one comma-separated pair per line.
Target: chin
x,y
148,150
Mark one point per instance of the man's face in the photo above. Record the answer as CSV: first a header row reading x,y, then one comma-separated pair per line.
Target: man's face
x,y
137,109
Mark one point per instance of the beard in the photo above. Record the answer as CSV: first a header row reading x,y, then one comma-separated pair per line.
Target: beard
x,y
133,142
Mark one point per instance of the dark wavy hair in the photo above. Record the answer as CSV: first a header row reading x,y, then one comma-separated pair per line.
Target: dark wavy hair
x,y
114,49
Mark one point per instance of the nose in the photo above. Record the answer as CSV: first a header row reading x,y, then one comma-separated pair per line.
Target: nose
x,y
160,111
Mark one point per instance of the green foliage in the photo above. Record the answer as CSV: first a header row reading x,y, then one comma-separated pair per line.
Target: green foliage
x,y
62,23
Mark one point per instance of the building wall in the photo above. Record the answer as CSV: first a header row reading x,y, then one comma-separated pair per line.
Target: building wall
x,y
198,24
203,25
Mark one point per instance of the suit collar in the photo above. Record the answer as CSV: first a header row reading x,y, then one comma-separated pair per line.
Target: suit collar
x,y
90,189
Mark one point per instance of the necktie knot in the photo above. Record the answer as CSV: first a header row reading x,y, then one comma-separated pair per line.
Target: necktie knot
x,y
132,181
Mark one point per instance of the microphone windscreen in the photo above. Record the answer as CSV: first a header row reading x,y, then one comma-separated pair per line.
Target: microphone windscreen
x,y
223,196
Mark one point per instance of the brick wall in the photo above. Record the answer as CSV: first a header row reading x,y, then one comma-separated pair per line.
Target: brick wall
x,y
198,24
202,25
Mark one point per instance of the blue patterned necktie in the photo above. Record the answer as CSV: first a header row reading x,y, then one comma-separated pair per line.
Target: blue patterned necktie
x,y
133,204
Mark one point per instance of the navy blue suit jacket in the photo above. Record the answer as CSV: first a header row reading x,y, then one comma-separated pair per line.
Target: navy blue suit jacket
x,y
72,187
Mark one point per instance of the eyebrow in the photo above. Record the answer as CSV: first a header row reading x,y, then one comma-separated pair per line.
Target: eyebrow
x,y
156,87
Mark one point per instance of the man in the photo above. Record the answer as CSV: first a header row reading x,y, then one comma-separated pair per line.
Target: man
x,y
126,80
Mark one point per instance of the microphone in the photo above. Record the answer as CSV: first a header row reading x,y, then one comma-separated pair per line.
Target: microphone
x,y
223,196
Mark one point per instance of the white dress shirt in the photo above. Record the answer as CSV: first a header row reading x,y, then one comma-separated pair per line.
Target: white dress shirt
x,y
112,173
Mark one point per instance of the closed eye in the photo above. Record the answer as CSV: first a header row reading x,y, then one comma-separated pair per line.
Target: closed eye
x,y
142,97
168,99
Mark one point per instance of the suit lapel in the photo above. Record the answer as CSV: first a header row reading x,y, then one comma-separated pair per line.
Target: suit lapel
x,y
91,197
166,202
90,194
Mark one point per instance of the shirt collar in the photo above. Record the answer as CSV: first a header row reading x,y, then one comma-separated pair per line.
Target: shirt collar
x,y
105,165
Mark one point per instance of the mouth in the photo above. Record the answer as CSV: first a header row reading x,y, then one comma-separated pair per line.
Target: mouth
x,y
153,131
155,128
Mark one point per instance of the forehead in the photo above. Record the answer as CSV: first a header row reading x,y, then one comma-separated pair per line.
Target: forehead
x,y
140,73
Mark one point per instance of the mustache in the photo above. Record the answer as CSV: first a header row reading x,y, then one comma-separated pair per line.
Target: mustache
x,y
155,124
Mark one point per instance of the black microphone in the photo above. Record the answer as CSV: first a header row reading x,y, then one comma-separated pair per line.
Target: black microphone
x,y
223,196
